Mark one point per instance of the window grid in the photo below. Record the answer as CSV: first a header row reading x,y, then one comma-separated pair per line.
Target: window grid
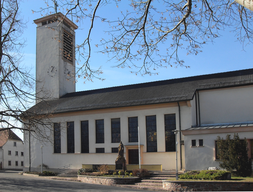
x,y
151,133
201,143
57,138
170,125
84,137
16,153
115,150
133,129
115,130
100,150
70,137
100,131
193,143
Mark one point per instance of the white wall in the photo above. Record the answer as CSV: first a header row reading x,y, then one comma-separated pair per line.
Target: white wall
x,y
200,158
74,161
227,105
9,146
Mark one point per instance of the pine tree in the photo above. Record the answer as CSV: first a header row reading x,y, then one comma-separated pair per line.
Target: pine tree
x,y
233,155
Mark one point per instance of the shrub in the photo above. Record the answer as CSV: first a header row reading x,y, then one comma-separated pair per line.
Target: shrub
x,y
234,155
47,173
141,172
82,171
121,172
205,175
115,173
126,173
103,169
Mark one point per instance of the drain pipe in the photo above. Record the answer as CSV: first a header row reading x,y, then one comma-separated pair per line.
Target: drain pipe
x,y
180,134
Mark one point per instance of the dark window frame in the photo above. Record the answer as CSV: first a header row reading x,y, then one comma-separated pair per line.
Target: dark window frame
x,y
22,153
85,136
115,149
151,133
193,143
70,137
9,163
133,129
9,152
100,131
100,150
57,138
170,137
201,143
16,153
16,163
15,144
22,163
115,130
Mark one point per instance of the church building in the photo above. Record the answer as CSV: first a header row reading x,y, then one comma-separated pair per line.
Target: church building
x,y
153,120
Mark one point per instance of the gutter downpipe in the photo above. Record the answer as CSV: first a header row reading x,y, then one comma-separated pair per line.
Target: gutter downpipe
x,y
180,134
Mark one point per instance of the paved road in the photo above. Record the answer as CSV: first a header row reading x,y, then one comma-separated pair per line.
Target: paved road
x,y
12,181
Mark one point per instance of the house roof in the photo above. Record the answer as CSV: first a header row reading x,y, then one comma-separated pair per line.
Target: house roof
x,y
173,90
6,135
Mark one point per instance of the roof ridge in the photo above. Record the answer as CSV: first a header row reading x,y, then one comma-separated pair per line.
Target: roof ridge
x,y
161,82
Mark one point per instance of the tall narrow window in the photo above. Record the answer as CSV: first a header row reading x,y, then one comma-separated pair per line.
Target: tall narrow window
x,y
115,130
68,46
84,137
151,133
100,131
57,138
133,129
70,137
170,125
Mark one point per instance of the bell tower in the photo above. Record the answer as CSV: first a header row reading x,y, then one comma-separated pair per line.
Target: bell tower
x,y
55,57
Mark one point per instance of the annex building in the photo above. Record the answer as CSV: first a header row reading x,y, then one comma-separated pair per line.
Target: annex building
x,y
11,150
86,127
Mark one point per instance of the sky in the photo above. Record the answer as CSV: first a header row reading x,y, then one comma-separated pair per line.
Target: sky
x,y
225,54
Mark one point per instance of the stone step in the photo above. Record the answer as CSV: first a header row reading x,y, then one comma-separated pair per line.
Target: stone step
x,y
159,178
150,184
151,181
149,188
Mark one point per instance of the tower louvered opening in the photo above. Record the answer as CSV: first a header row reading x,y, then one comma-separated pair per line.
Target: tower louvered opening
x,y
68,46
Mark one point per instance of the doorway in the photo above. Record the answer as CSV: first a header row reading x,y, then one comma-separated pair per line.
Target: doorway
x,y
133,156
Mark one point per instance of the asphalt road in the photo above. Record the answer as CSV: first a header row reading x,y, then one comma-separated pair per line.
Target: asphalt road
x,y
12,181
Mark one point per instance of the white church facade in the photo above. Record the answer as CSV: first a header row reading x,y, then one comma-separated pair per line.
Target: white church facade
x,y
87,126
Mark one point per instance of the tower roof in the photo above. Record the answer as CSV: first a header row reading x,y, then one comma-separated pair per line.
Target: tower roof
x,y
59,16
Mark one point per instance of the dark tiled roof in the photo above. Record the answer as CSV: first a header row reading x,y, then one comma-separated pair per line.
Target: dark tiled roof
x,y
7,134
166,91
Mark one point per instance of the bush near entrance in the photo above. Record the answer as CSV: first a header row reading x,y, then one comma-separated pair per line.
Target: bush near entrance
x,y
206,175
233,155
